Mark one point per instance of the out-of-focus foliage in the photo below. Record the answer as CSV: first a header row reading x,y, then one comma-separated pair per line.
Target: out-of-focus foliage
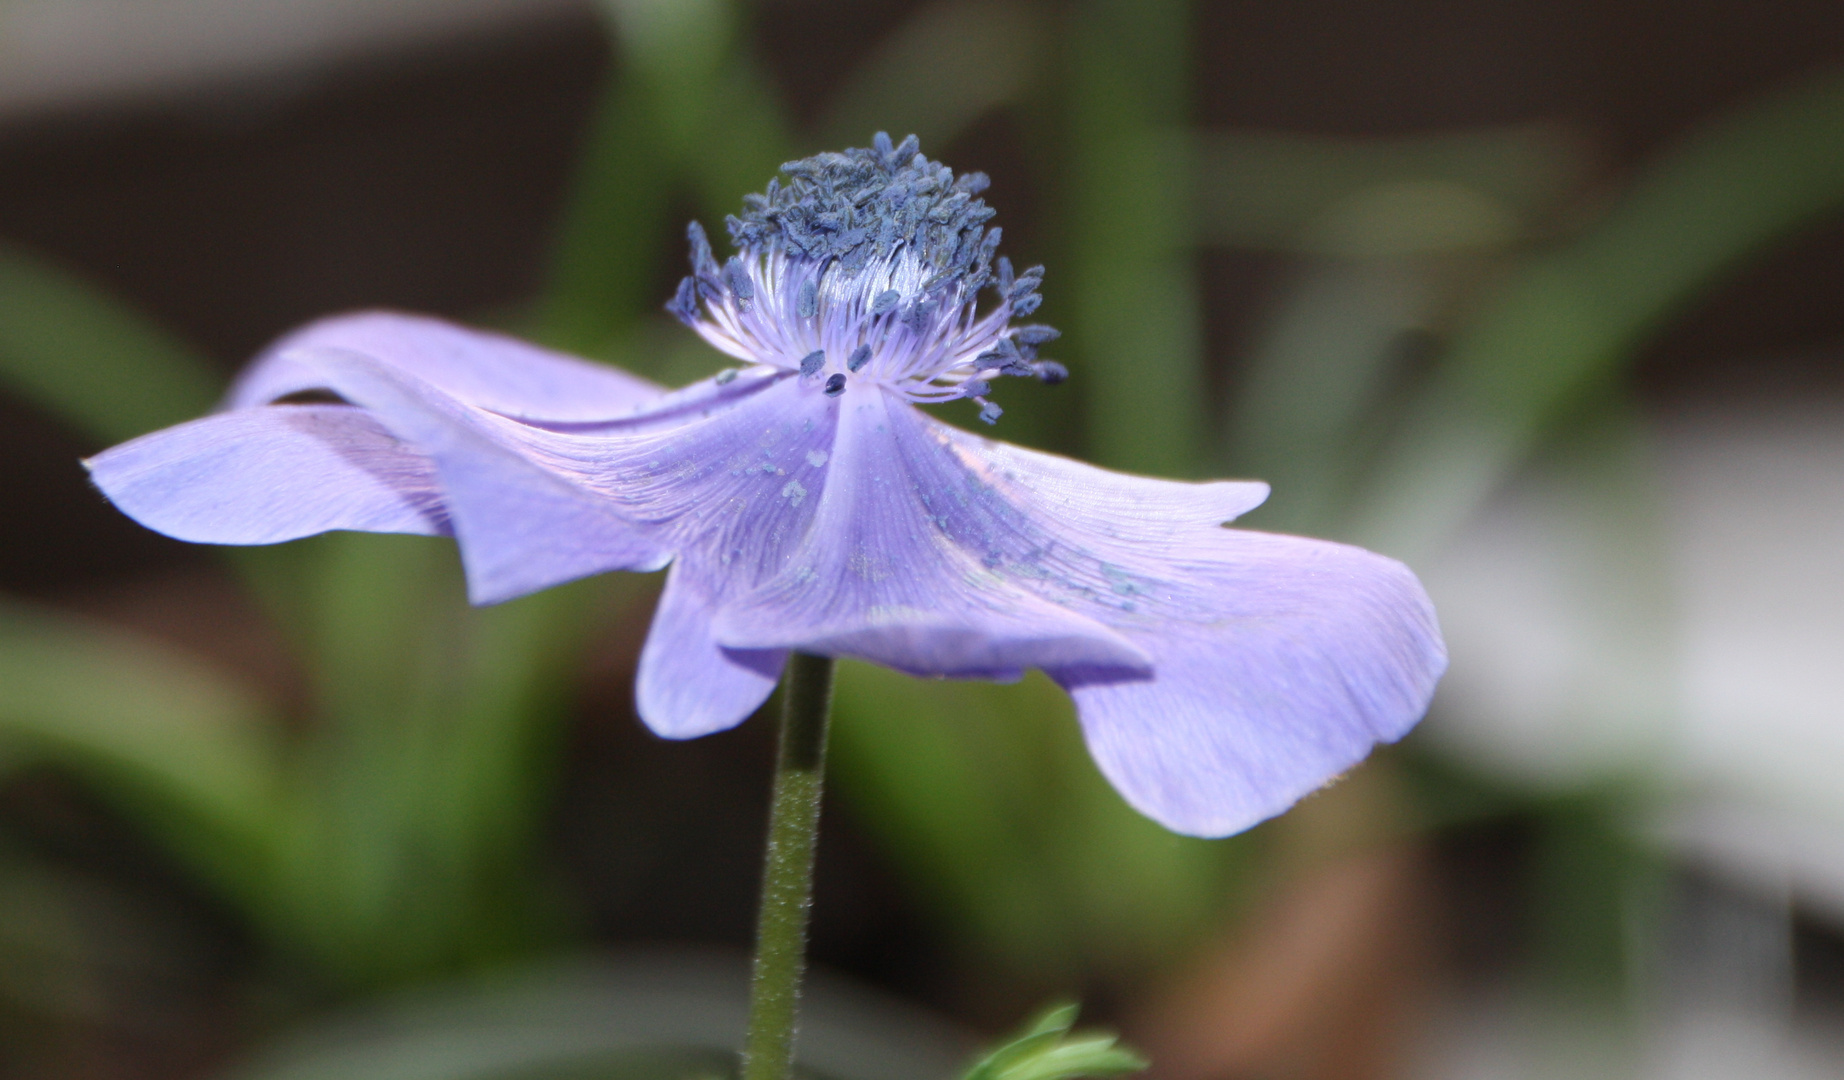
x,y
392,838
1571,317
1453,297
673,1014
989,800
188,753
89,359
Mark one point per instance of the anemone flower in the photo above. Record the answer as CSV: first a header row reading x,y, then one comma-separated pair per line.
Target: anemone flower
x,y
801,502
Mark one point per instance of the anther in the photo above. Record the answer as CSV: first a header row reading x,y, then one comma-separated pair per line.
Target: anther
x,y
836,384
684,303
860,357
811,364
989,245
703,262
1049,372
990,412
809,301
738,280
885,301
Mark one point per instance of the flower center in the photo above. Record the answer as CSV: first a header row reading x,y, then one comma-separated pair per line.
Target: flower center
x,y
869,264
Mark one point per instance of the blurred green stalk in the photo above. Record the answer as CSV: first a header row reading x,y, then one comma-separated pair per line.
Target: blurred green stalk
x,y
1134,308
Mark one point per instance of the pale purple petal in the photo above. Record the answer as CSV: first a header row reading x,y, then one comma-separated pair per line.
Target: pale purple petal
x,y
687,685
1277,661
482,369
898,567
522,525
730,474
1134,510
259,476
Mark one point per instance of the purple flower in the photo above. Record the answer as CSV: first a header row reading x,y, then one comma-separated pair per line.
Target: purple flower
x,y
802,502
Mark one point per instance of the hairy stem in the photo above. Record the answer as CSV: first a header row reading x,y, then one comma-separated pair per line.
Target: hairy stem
x,y
787,868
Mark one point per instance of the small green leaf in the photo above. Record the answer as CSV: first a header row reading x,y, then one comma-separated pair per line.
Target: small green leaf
x,y
1047,1049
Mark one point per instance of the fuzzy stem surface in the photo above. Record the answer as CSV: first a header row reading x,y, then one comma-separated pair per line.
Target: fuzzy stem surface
x,y
787,868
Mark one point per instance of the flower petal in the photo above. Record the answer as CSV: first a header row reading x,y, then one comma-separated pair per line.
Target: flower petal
x,y
1277,661
887,572
687,684
264,475
522,525
1277,664
732,477
1135,510
486,370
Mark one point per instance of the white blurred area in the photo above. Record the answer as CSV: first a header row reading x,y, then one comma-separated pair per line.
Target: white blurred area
x,y
1663,607
83,52
1666,606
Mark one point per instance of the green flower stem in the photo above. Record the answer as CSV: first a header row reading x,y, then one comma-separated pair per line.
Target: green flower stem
x,y
787,869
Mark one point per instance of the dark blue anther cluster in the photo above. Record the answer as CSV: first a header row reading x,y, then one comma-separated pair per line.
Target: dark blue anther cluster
x,y
871,203
861,204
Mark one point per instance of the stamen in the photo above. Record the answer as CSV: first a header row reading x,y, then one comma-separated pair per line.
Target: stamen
x,y
704,264
989,245
740,285
684,303
880,251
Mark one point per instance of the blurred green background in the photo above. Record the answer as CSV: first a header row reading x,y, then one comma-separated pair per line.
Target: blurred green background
x,y
1543,299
